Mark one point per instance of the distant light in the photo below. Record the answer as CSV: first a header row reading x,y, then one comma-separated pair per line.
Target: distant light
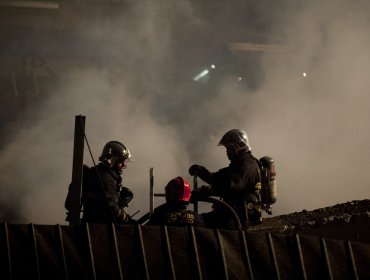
x,y
304,74
213,66
201,75
240,78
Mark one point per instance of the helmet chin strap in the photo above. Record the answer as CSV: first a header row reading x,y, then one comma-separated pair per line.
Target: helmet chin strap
x,y
119,171
115,168
111,165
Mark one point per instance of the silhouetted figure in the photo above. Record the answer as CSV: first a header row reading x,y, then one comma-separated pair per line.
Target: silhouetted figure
x,y
238,184
174,212
103,196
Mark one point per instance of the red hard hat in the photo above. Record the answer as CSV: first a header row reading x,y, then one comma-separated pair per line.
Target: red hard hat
x,y
178,189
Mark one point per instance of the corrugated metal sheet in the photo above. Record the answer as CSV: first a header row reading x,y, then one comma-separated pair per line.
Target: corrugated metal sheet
x,y
149,252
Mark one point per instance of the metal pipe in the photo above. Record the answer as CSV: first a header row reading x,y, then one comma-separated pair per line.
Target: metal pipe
x,y
227,207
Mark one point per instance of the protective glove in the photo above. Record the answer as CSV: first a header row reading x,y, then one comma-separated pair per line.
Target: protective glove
x,y
203,191
125,196
196,169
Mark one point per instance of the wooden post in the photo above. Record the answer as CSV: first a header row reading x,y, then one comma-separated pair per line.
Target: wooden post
x,y
195,186
76,184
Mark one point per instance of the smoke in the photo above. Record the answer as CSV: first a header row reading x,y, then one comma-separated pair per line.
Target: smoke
x,y
314,126
321,133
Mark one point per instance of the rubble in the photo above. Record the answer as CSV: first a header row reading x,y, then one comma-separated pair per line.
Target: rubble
x,y
350,220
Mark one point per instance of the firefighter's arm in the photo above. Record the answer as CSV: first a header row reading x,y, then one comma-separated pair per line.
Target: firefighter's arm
x,y
203,191
221,182
201,172
113,199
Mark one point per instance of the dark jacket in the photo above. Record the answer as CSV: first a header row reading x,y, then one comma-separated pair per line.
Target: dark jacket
x,y
238,184
100,196
175,214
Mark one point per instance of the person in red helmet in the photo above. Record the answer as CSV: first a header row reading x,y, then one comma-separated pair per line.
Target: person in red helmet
x,y
175,211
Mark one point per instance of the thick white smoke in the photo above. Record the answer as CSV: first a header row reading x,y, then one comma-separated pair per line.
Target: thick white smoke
x,y
320,122
314,126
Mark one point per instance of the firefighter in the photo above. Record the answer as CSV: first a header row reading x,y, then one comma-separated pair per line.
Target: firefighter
x,y
175,211
103,196
238,184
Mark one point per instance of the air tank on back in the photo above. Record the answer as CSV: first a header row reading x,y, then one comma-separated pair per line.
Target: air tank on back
x,y
269,187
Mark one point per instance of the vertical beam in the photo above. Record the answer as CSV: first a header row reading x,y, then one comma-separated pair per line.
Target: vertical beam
x,y
195,186
151,192
76,184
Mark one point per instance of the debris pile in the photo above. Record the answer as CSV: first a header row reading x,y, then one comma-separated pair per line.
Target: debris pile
x,y
350,220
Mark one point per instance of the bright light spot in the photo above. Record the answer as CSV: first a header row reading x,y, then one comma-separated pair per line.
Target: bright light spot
x,y
213,66
240,78
201,75
304,74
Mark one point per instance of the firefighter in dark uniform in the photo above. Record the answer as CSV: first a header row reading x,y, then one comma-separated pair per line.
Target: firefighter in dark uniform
x,y
238,184
103,196
174,212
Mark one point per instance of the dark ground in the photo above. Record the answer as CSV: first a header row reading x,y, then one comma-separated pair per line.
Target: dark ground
x,y
347,221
